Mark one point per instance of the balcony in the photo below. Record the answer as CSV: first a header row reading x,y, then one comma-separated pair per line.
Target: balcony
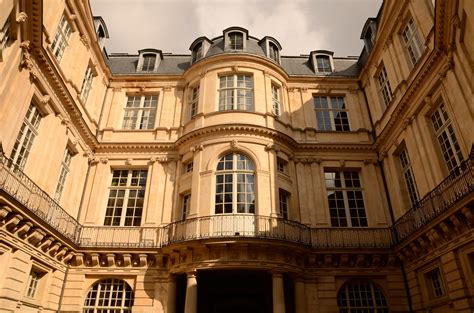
x,y
44,209
459,184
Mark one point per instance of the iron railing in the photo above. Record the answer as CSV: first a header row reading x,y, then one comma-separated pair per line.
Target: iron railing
x,y
458,184
25,191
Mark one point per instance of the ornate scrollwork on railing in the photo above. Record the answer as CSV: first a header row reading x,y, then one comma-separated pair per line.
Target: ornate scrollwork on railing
x,y
458,184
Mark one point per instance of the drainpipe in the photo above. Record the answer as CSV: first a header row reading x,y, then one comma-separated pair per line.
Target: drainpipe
x,y
390,207
61,296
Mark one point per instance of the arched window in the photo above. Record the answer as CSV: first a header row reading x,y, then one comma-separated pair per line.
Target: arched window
x,y
361,296
235,185
109,295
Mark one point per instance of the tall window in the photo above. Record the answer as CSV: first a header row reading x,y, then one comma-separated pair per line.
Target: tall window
x,y
194,101
86,84
323,63
186,206
5,34
435,283
408,176
346,202
109,295
331,113
33,281
61,38
283,202
273,52
384,86
197,52
355,297
127,193
63,174
446,137
412,41
276,99
235,92
235,185
149,61
140,112
236,41
26,136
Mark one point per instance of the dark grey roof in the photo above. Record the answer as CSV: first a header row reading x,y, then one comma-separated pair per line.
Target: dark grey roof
x,y
121,64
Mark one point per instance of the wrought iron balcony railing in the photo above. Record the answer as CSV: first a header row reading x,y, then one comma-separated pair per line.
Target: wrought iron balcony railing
x,y
457,185
25,191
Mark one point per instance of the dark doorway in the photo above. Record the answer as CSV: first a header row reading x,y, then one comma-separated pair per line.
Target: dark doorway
x,y
234,291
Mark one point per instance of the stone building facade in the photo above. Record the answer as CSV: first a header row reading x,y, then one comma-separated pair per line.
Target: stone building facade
x,y
236,179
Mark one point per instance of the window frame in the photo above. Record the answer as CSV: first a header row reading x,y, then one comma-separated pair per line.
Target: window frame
x,y
284,197
281,166
276,99
61,38
33,283
331,113
379,303
6,35
222,107
445,131
87,84
347,219
411,40
406,170
322,68
273,52
29,129
194,101
136,121
126,292
234,172
63,173
385,89
123,216
185,205
233,40
147,65
197,52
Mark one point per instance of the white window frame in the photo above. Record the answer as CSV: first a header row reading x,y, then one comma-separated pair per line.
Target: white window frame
x,y
63,173
87,84
273,52
408,176
354,295
135,116
411,39
33,282
276,102
106,291
194,101
189,167
134,182
435,281
334,111
197,53
186,205
384,86
281,165
61,39
446,137
234,43
283,203
236,91
26,136
149,62
323,68
241,165
350,213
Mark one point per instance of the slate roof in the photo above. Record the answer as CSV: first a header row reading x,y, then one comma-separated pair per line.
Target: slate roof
x,y
124,64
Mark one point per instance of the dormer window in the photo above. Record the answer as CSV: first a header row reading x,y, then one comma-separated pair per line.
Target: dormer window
x,y
368,33
197,52
149,61
236,41
101,31
273,52
323,63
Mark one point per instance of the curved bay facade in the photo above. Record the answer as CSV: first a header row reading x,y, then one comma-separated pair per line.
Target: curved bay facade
x,y
235,178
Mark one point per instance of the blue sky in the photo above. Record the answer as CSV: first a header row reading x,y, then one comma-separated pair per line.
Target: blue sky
x,y
299,25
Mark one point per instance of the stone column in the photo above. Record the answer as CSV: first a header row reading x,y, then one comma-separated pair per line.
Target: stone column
x,y
171,294
278,293
300,299
190,305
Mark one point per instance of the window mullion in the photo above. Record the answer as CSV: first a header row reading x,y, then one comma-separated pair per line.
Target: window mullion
x,y
346,199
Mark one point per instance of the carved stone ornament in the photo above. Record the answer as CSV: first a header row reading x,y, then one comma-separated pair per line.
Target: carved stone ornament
x,y
26,62
21,17
342,163
128,162
234,143
85,41
45,99
104,160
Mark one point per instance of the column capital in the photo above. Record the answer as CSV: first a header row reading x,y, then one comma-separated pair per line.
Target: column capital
x,y
191,273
